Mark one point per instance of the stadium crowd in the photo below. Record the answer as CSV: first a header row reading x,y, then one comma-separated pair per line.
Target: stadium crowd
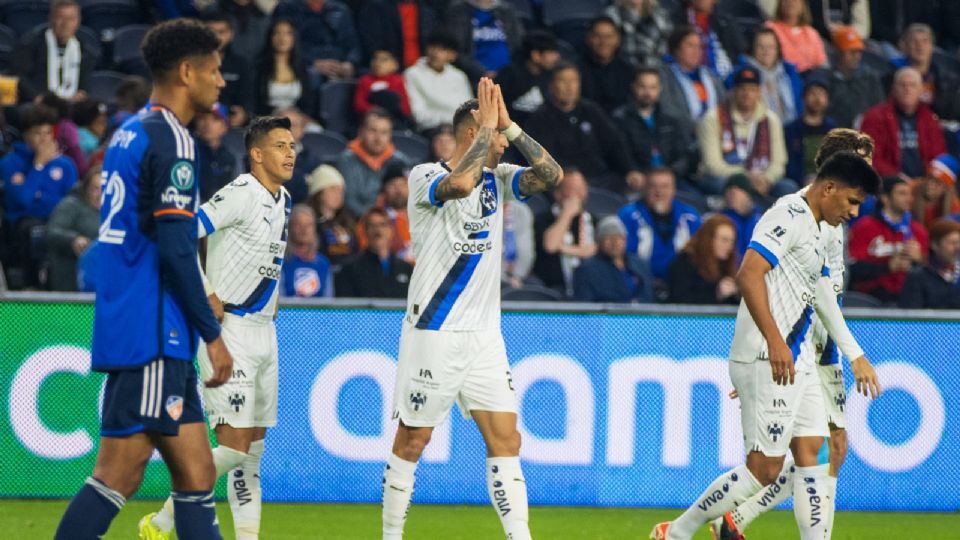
x,y
677,123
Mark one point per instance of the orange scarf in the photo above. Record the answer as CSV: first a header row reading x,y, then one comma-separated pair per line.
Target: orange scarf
x,y
374,162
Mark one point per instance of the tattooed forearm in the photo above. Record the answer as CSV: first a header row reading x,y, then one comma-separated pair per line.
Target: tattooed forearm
x,y
455,185
544,172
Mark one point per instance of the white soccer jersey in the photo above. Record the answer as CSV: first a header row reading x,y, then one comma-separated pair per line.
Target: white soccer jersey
x,y
457,245
247,226
790,239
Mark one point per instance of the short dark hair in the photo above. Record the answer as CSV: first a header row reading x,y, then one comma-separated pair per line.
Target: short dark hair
x,y
443,38
852,170
679,34
540,41
843,140
262,125
602,19
215,17
132,93
645,70
169,43
86,111
60,4
33,115
891,182
562,65
375,112
56,103
762,30
464,113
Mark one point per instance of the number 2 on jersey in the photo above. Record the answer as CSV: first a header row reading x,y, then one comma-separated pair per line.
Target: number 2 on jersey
x,y
114,191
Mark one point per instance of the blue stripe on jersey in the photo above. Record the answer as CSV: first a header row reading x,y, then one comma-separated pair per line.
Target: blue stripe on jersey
x,y
287,206
825,271
764,252
515,184
799,331
257,299
478,235
831,354
448,292
277,260
432,190
207,224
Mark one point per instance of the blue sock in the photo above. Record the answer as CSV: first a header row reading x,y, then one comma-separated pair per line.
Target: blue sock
x,y
195,515
90,512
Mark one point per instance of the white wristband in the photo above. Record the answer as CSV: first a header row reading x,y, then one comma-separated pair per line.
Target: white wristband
x,y
512,131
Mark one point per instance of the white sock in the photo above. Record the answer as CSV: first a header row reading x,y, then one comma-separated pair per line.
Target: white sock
x,y
224,459
398,479
810,499
243,492
831,505
508,494
723,495
767,498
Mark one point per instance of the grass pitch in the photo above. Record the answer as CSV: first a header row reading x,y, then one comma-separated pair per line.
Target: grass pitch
x,y
37,519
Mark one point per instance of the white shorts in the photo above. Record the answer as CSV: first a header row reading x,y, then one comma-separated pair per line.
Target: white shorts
x,y
249,398
772,414
834,394
437,368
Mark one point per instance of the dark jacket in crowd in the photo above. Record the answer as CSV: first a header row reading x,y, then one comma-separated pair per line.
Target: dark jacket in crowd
x,y
30,64
607,85
378,22
523,92
364,277
924,288
687,286
599,280
664,141
852,96
459,20
238,75
731,37
71,218
217,168
328,34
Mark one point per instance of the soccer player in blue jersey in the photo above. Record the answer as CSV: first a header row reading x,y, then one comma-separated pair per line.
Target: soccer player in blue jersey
x,y
151,310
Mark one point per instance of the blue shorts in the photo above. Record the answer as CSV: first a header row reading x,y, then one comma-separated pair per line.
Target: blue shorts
x,y
157,397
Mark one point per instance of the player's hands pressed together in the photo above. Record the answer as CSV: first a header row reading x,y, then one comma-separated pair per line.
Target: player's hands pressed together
x,y
488,115
216,305
781,362
867,382
503,117
221,361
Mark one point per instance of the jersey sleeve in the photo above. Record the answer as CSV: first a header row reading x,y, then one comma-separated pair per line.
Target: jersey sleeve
x,y
172,176
508,176
775,234
226,208
423,181
835,256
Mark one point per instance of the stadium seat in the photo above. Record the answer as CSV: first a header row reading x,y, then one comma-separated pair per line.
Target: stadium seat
x,y
325,146
414,146
22,16
8,42
103,85
947,62
567,51
559,11
126,49
602,203
106,16
531,293
859,299
336,107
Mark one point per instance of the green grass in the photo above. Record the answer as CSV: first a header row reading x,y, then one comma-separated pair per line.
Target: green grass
x,y
36,519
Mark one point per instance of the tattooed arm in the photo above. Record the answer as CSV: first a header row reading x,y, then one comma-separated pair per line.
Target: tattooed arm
x,y
466,175
544,172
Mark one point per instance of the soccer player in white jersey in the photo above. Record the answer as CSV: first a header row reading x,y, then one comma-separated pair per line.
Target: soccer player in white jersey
x,y
451,347
247,225
731,525
772,363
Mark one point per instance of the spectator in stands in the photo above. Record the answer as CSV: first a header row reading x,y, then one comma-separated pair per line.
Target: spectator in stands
x,y
35,177
885,245
519,244
524,84
218,165
720,39
307,160
383,87
581,135
854,88
654,138
330,43
54,59
740,207
131,96
658,225
65,131
934,195
73,225
828,15
936,285
91,119
743,136
780,83
904,129
435,87
365,158
442,143
704,271
393,201
283,81
804,134
690,89
889,18
563,233
306,272
375,272
605,75
644,28
939,85
800,43
250,20
398,26
613,275
237,72
336,224
489,32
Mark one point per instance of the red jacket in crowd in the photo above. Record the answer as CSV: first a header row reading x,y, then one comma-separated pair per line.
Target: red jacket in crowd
x,y
873,241
880,122
370,83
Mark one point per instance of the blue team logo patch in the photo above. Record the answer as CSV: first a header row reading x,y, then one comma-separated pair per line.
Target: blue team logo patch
x,y
181,175
174,407
488,195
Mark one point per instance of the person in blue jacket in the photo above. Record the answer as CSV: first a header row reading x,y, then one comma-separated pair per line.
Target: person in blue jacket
x,y
613,275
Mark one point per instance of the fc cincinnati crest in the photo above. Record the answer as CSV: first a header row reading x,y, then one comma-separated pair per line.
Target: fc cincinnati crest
x,y
174,407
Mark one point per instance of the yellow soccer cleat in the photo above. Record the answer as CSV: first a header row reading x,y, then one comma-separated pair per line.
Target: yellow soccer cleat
x,y
149,531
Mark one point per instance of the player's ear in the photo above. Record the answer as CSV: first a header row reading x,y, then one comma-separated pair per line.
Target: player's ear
x,y
256,155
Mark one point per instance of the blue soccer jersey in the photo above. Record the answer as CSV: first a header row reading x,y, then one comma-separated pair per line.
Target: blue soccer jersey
x,y
149,175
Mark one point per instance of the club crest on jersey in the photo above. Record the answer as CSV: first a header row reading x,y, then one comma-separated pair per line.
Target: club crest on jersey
x,y
237,401
418,399
181,175
488,195
174,407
